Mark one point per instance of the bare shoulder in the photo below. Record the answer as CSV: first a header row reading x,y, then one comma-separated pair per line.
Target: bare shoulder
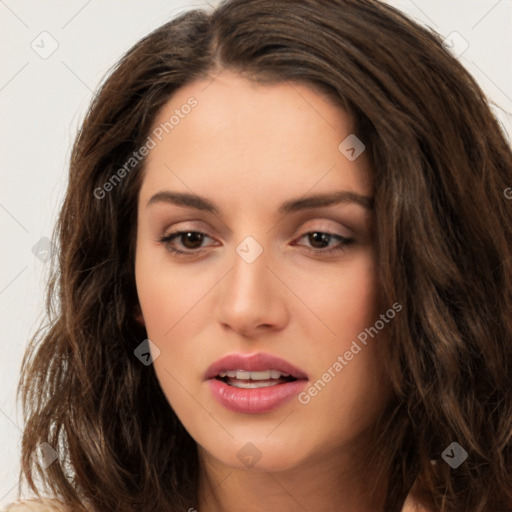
x,y
36,505
412,506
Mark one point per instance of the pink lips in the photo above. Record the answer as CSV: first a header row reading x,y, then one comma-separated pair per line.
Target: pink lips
x,y
258,400
253,363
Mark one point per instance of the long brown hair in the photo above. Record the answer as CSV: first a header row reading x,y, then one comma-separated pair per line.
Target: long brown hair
x,y
444,236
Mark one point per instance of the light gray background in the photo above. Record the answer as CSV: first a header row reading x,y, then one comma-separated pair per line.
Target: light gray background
x,y
42,102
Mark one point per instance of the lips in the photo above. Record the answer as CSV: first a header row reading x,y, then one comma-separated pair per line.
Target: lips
x,y
259,362
255,383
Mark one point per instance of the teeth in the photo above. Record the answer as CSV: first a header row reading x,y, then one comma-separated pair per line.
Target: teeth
x,y
245,375
252,384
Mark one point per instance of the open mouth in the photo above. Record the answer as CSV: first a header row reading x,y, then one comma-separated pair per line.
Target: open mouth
x,y
253,380
254,383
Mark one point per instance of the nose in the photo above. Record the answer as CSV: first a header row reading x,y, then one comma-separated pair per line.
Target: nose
x,y
252,300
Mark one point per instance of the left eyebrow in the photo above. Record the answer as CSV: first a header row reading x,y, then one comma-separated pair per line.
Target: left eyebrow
x,y
293,205
322,200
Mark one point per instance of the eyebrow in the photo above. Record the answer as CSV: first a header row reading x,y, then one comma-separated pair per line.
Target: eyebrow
x,y
290,206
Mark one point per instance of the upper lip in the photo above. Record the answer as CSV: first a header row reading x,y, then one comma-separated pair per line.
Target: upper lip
x,y
253,363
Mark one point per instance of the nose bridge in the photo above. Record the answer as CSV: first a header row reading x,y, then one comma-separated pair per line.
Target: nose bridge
x,y
250,295
249,280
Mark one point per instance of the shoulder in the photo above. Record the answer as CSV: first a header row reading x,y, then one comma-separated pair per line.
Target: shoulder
x,y
36,505
412,506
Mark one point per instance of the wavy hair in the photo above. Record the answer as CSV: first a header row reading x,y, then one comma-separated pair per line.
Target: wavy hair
x,y
441,168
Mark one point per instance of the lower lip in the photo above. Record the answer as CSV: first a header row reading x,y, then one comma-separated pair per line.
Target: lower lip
x,y
254,401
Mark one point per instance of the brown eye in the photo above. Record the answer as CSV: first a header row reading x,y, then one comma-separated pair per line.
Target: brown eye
x,y
191,241
320,242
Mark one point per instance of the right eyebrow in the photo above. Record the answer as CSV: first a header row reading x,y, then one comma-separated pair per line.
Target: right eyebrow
x,y
183,199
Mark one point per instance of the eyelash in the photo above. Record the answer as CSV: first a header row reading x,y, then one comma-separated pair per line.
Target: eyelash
x,y
344,243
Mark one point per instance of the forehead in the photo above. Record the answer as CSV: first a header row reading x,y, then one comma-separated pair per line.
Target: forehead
x,y
266,140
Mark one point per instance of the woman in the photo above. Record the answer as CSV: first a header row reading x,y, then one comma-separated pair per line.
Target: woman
x,y
284,277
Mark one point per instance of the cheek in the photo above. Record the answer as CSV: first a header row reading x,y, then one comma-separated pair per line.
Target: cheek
x,y
159,304
175,308
168,299
355,391
344,298
166,293
352,302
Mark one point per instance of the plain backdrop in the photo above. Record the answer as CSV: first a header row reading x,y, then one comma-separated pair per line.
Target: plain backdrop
x,y
43,99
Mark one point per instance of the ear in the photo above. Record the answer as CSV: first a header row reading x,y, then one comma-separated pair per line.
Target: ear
x,y
139,317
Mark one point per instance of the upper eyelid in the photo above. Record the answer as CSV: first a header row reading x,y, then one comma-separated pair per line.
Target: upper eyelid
x,y
307,222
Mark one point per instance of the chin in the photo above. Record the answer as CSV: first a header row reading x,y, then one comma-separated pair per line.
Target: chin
x,y
260,454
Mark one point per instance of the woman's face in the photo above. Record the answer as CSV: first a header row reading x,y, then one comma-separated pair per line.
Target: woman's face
x,y
273,274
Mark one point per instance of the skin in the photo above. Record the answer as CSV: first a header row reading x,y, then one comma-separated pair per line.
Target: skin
x,y
248,148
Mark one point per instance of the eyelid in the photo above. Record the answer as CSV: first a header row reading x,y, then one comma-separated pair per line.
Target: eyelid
x,y
327,226
316,226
